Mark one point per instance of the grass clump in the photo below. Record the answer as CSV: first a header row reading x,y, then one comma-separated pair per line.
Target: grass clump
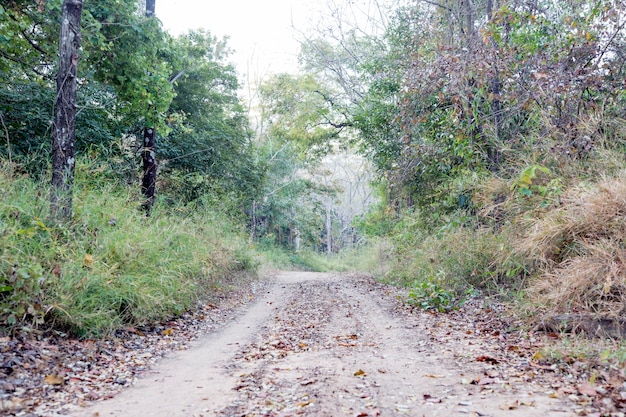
x,y
364,258
578,252
111,266
457,258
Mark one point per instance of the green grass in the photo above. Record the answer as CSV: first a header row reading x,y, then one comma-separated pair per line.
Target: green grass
x,y
111,266
363,259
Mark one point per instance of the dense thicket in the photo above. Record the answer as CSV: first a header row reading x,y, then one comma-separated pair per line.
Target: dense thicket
x,y
482,120
131,75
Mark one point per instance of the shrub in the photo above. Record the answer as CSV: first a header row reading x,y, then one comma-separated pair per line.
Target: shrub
x,y
111,266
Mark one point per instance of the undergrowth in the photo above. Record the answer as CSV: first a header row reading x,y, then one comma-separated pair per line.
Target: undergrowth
x,y
550,237
364,258
111,266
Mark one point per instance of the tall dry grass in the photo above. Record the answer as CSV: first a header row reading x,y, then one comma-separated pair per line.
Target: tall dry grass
x,y
577,251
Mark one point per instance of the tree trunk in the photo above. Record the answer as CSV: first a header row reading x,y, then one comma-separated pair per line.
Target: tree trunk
x,y
148,184
150,8
253,236
64,125
329,243
494,154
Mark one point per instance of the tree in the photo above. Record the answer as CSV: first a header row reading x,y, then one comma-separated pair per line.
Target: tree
x,y
148,182
301,109
64,125
209,144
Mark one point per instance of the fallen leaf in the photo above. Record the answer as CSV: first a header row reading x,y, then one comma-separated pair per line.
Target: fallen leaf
x,y
539,366
434,376
88,261
487,359
360,372
486,381
54,380
167,332
567,390
586,389
538,356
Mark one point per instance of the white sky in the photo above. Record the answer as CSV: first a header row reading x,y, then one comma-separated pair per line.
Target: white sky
x,y
260,31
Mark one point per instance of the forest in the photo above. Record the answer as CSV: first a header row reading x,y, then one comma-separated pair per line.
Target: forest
x,y
457,148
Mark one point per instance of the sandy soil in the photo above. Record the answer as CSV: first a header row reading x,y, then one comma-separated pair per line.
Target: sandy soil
x,y
333,345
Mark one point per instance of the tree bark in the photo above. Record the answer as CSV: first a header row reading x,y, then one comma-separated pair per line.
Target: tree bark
x,y
329,239
148,183
64,124
494,154
150,8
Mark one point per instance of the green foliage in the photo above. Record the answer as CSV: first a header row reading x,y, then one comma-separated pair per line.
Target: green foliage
x,y
111,266
529,183
299,109
131,75
23,236
126,51
21,296
429,295
209,145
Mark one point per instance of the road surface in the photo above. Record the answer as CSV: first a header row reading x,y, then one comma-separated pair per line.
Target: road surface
x,y
330,345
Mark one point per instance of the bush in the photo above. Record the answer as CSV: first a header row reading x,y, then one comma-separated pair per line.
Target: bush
x,y
578,251
111,266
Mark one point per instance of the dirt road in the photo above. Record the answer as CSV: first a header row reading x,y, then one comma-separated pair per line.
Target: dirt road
x,y
332,345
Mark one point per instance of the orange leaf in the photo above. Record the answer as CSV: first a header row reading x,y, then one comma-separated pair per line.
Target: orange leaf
x,y
360,372
88,261
487,359
54,380
167,332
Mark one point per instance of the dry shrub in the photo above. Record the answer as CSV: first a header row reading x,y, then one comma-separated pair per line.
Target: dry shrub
x,y
491,199
578,250
592,283
584,216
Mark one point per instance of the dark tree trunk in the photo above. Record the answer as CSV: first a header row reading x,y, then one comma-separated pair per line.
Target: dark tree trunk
x,y
148,184
64,125
150,8
494,154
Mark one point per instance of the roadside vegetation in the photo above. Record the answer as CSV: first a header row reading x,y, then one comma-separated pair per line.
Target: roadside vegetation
x,y
456,149
497,135
112,266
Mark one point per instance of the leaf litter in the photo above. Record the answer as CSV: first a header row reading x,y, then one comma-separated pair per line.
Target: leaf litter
x,y
51,374
324,353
